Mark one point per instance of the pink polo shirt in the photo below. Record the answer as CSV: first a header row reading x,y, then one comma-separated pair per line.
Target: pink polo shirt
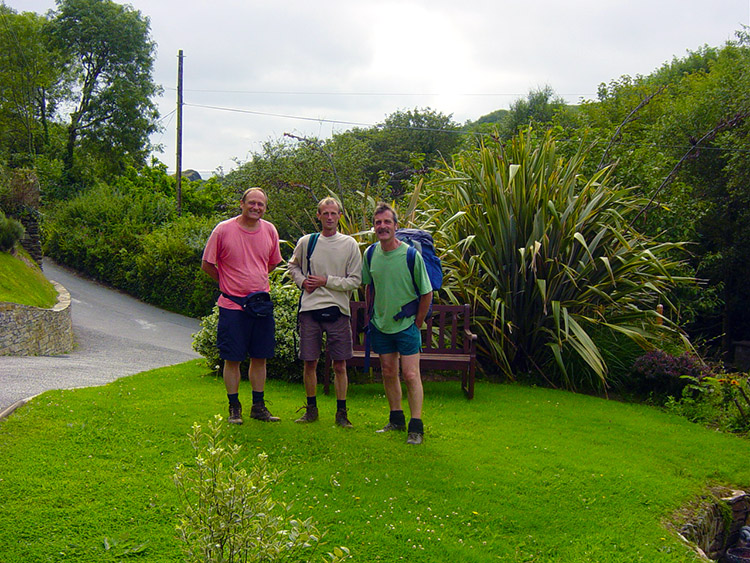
x,y
242,257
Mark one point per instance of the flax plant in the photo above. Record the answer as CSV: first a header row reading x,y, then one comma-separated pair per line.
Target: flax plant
x,y
547,258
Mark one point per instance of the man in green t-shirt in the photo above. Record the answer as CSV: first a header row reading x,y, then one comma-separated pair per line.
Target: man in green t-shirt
x,y
393,337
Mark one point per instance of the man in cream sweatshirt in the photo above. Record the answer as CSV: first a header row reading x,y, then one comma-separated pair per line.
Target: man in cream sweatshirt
x,y
327,280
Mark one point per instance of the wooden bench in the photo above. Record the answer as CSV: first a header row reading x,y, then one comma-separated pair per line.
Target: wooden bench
x,y
447,343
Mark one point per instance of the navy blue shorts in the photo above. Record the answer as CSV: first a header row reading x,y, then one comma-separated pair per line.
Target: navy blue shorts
x,y
239,335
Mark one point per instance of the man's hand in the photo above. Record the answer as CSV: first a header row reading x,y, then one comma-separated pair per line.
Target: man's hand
x,y
423,308
312,283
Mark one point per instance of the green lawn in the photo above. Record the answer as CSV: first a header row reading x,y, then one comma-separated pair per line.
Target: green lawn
x,y
24,284
517,474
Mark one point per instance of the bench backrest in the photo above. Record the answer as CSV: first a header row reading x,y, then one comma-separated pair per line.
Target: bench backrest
x,y
444,332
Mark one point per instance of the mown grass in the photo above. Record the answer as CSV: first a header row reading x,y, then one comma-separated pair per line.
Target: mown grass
x,y
24,284
518,474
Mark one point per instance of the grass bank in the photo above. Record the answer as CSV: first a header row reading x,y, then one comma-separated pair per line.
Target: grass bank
x,y
518,474
23,283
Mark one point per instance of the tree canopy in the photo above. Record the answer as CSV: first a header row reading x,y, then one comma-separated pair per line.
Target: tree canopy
x,y
110,58
76,87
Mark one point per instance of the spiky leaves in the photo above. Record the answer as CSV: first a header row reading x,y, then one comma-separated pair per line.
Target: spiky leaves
x,y
546,257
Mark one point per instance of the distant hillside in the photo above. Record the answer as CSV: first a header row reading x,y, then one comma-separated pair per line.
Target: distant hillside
x,y
497,116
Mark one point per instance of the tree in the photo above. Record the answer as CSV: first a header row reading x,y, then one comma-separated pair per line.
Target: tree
x,y
111,57
680,135
406,143
539,107
29,71
297,172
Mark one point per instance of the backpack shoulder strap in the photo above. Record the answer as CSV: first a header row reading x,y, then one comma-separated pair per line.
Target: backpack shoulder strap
x,y
311,247
371,286
368,253
411,257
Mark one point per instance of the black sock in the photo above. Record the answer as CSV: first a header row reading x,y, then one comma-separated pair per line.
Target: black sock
x,y
415,425
312,401
257,397
234,398
397,418
340,405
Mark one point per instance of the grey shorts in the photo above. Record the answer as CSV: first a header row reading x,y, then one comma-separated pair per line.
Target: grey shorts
x,y
339,340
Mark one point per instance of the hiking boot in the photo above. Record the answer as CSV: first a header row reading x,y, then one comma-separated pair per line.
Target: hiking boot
x,y
342,420
311,414
235,414
415,438
260,412
392,427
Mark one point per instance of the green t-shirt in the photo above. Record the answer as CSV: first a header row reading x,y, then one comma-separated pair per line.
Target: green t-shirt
x,y
393,285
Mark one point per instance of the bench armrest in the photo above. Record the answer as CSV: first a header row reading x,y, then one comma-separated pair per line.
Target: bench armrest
x,y
472,340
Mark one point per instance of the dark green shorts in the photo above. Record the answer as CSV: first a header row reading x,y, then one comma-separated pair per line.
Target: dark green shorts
x,y
407,342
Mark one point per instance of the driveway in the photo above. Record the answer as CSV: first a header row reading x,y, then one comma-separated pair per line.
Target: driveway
x,y
115,334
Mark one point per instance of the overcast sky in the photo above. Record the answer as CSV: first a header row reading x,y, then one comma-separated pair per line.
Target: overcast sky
x,y
317,67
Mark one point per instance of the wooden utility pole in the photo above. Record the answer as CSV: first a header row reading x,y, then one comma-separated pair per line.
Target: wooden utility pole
x,y
179,133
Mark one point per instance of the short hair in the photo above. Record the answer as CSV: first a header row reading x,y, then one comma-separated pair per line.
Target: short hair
x,y
382,207
255,189
330,201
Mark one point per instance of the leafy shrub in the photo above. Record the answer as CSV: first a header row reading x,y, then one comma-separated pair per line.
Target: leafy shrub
x,y
721,402
285,364
99,232
204,341
19,192
660,374
168,268
201,197
11,231
229,513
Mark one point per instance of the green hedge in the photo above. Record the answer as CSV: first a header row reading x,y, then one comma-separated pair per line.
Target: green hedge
x,y
11,231
168,268
129,236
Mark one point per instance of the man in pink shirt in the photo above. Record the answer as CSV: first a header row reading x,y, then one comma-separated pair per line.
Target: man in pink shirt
x,y
239,255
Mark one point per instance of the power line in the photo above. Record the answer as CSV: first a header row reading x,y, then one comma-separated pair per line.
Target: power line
x,y
167,116
253,112
454,131
363,94
323,120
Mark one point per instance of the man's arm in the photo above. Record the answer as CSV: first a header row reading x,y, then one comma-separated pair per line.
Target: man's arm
x,y
274,259
210,269
424,307
353,278
369,298
294,266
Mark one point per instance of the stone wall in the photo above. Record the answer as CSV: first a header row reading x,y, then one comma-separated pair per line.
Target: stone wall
x,y
31,241
32,331
22,203
715,523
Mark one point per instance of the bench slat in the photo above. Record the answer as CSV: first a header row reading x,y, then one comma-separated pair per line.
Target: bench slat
x,y
447,340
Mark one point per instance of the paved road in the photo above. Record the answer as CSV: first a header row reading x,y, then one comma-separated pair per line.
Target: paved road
x,y
115,336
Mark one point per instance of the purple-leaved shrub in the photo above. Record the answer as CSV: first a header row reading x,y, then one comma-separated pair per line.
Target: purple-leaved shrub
x,y
660,374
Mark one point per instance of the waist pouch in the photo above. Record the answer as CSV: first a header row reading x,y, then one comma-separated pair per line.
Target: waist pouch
x,y
257,304
326,315
410,310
